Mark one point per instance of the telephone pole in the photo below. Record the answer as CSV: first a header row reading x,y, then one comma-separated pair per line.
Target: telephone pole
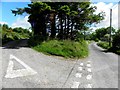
x,y
110,27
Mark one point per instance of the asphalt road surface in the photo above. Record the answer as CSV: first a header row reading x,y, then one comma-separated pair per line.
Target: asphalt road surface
x,y
22,67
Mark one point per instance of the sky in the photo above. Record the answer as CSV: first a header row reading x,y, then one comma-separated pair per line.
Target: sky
x,y
9,18
21,21
105,7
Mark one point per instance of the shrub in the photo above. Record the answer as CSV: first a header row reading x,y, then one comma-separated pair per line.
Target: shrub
x,y
104,45
96,40
9,34
116,41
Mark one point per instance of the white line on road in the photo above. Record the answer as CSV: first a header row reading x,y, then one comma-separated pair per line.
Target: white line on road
x,y
89,61
78,75
88,65
88,86
75,84
21,62
81,64
80,68
18,73
89,70
89,77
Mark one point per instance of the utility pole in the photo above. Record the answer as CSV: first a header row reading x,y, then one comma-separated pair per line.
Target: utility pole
x,y
110,27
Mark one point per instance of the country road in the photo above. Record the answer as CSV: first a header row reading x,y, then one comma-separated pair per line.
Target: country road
x,y
22,67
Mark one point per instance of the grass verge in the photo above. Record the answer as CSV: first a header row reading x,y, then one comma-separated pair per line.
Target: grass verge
x,y
104,45
66,48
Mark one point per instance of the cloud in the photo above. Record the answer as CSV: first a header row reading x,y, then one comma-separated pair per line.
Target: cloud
x,y
105,7
1,22
21,22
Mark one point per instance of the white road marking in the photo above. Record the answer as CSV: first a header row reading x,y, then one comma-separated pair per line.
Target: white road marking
x,y
89,61
78,75
75,84
88,65
88,86
89,77
18,73
80,68
89,70
81,64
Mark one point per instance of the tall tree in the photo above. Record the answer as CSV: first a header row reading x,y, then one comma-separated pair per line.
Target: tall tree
x,y
70,17
37,16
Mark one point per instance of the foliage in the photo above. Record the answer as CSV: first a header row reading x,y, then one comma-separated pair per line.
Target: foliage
x,y
36,40
96,40
62,21
116,40
102,34
118,52
9,34
115,44
70,17
37,12
104,45
65,48
79,36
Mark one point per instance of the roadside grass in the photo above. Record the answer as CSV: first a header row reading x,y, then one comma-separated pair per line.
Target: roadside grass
x,y
65,48
104,45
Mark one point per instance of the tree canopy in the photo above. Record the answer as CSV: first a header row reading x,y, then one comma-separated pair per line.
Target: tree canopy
x,y
60,20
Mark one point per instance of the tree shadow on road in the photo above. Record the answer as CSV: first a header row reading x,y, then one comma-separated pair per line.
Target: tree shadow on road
x,y
106,51
17,44
110,50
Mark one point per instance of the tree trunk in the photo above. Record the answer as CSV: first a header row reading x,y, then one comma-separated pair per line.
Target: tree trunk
x,y
65,30
68,22
36,29
39,26
71,34
53,27
61,26
43,26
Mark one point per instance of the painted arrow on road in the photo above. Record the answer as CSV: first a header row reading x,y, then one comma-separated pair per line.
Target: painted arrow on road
x,y
20,72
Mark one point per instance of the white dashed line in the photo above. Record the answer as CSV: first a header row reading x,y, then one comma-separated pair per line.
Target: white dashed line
x,y
89,61
81,64
89,70
89,77
88,65
75,84
78,75
80,68
88,86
